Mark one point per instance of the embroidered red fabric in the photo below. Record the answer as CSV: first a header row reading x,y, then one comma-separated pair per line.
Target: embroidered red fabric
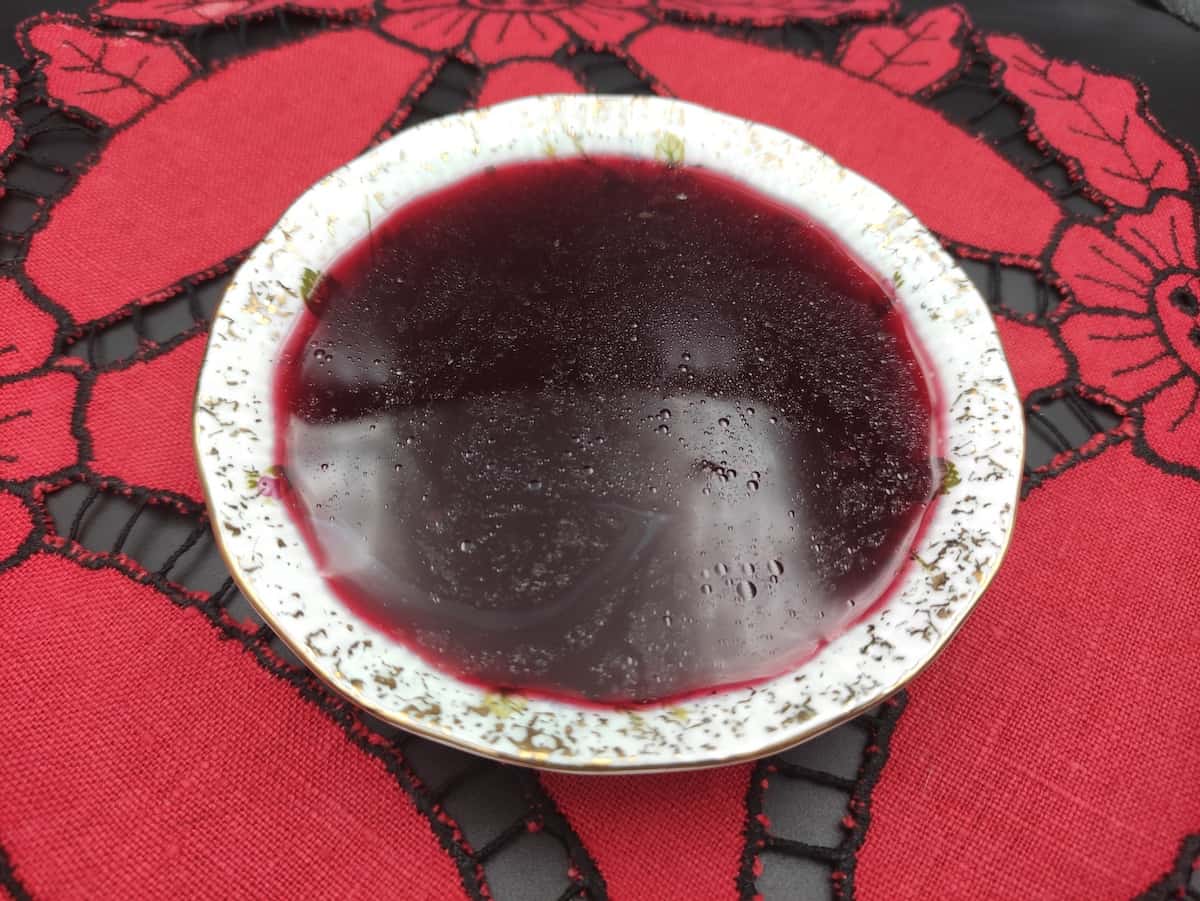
x,y
160,744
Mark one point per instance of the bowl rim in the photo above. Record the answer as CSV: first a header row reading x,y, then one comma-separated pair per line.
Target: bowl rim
x,y
534,731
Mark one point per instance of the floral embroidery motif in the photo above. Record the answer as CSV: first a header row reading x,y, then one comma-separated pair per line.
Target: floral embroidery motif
x,y
491,31
1136,330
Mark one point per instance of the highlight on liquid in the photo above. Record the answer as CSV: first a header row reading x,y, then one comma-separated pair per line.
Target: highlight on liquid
x,y
605,430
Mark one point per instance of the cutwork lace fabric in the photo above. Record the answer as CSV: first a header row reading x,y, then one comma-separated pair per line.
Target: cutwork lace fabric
x,y
161,742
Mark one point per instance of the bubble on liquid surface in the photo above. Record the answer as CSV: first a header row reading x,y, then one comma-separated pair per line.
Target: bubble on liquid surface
x,y
506,500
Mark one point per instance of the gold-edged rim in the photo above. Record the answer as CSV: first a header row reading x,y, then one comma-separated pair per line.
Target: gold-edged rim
x,y
620,765
417,727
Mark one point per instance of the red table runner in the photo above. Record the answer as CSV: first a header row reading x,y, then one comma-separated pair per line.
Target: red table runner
x,y
158,743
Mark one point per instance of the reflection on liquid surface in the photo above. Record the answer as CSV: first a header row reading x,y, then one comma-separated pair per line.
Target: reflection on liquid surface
x,y
662,437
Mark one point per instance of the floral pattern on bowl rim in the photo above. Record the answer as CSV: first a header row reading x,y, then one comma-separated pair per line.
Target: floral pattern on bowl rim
x,y
967,533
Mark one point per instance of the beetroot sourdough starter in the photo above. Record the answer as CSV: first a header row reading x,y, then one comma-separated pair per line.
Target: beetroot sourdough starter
x,y
605,430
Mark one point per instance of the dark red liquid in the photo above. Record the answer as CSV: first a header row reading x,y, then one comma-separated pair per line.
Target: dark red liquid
x,y
607,430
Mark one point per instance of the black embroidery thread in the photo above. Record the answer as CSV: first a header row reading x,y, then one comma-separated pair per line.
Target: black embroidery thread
x,y
215,46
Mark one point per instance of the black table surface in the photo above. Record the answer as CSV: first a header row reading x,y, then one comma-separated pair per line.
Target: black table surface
x,y
1127,37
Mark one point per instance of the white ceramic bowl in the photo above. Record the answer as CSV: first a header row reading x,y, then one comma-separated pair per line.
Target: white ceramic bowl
x,y
959,552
